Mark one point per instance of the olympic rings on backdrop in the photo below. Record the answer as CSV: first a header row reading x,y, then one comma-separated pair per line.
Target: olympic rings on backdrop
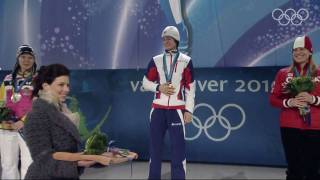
x,y
290,16
211,120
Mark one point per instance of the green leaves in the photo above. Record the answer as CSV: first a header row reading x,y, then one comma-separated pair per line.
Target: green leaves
x,y
299,84
96,143
5,114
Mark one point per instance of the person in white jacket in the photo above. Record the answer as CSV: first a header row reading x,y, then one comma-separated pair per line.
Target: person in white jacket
x,y
15,94
170,77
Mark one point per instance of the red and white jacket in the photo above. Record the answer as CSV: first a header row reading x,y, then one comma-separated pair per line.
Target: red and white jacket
x,y
289,116
182,80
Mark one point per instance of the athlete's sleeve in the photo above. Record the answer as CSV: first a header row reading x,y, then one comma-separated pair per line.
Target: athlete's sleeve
x,y
190,89
277,98
2,95
151,78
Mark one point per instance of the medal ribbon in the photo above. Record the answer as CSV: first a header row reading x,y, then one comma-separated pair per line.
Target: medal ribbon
x,y
169,76
16,88
297,74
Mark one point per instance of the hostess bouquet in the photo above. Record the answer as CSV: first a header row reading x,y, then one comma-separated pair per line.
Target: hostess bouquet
x,y
96,143
298,85
95,140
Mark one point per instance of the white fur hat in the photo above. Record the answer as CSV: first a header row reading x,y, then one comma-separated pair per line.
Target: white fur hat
x,y
172,32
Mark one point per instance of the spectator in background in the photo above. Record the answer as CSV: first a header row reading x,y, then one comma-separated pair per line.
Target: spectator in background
x,y
15,94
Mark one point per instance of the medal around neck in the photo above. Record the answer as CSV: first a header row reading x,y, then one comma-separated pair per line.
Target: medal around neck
x,y
16,97
167,74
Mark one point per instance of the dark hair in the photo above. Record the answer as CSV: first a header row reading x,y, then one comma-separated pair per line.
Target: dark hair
x,y
177,43
47,74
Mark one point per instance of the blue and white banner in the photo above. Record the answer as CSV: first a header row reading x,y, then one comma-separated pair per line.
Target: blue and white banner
x,y
122,34
233,121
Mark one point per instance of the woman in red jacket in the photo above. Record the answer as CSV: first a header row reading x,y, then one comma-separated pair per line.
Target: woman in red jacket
x,y
300,134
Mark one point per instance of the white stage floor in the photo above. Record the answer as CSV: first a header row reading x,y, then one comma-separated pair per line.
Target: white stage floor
x,y
139,170
194,171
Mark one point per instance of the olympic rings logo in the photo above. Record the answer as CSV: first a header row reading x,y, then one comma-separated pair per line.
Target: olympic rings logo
x,y
290,16
210,121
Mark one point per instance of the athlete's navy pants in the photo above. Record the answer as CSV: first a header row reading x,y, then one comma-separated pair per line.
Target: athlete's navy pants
x,y
162,120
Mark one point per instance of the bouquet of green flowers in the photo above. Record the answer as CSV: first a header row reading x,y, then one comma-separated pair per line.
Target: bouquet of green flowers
x,y
298,85
96,143
5,114
5,117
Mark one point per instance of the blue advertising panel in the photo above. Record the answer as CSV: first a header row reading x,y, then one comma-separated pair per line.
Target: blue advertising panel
x,y
233,121
124,34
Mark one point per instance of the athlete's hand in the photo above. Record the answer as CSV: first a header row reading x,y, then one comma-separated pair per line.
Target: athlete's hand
x,y
167,89
17,125
297,102
187,117
304,96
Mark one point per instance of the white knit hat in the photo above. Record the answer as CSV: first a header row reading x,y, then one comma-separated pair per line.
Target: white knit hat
x,y
25,49
303,42
172,32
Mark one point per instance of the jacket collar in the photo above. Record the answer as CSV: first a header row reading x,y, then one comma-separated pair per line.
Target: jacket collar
x,y
56,116
304,70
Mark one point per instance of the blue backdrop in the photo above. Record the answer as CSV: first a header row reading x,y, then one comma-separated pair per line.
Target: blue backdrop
x,y
233,121
122,34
